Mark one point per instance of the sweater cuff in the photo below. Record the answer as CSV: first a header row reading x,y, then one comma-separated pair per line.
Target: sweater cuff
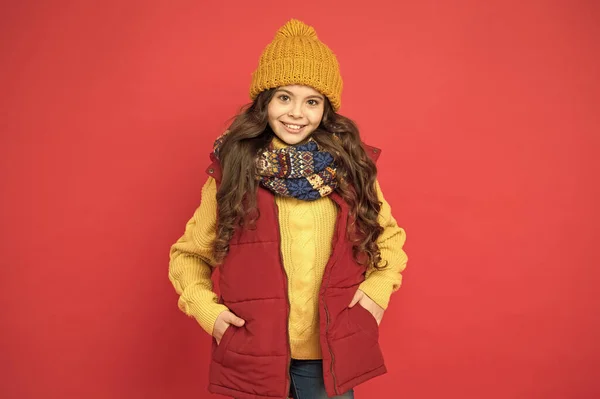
x,y
378,288
205,314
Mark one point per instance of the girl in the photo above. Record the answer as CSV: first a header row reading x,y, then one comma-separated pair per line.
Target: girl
x,y
308,250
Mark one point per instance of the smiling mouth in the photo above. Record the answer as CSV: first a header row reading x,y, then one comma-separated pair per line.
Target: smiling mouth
x,y
293,127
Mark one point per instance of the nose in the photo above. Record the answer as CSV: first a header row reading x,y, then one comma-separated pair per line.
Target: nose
x,y
296,110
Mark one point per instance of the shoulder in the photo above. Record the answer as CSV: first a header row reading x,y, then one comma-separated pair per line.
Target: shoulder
x,y
372,152
214,169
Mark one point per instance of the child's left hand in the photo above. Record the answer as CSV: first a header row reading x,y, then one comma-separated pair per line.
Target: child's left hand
x,y
363,300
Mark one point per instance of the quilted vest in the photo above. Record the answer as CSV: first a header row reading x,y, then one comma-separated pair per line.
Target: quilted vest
x,y
252,361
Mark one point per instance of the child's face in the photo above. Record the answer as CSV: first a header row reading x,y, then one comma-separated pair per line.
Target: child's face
x,y
295,112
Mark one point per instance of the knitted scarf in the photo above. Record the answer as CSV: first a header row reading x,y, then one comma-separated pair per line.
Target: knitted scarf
x,y
301,171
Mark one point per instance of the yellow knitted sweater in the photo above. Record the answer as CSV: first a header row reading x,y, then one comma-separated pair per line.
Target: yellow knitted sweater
x,y
307,228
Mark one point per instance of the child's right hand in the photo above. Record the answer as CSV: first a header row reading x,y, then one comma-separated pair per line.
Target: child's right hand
x,y
223,322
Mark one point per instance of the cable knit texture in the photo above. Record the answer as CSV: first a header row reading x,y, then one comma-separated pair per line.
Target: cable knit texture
x,y
304,225
307,229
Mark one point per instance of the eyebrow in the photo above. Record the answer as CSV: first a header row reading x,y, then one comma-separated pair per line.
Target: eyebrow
x,y
292,94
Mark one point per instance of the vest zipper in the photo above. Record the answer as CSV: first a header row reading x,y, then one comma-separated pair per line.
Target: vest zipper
x,y
331,368
287,329
330,351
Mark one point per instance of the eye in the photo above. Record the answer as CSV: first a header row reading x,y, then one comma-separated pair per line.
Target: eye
x,y
313,103
284,97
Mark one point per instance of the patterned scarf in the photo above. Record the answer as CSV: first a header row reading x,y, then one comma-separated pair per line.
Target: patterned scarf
x,y
301,171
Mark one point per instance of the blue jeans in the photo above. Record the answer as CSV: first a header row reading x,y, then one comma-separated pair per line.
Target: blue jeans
x,y
307,381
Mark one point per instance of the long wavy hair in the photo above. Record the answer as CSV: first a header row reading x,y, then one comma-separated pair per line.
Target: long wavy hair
x,y
236,197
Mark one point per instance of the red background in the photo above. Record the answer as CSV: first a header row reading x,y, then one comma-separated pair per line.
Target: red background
x,y
488,116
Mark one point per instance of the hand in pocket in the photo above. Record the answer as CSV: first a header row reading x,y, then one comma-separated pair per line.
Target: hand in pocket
x,y
363,300
223,322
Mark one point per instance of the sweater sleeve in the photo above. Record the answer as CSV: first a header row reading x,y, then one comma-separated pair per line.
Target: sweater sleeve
x,y
191,262
380,284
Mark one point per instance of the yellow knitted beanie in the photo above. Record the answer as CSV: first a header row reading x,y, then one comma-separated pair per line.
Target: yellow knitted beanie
x,y
297,56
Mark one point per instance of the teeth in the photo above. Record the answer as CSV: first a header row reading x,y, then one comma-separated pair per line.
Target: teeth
x,y
295,127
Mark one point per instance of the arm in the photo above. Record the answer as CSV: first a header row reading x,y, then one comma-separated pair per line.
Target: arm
x,y
191,262
380,284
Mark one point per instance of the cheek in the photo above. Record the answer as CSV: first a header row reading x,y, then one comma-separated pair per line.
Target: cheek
x,y
316,116
274,110
271,112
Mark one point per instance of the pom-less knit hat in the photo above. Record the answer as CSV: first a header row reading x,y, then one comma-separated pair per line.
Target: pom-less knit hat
x,y
297,56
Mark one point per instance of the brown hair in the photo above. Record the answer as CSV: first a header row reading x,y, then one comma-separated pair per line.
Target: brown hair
x,y
236,196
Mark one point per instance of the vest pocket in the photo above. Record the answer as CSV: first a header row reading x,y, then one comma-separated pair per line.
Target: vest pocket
x,y
365,320
221,348
357,357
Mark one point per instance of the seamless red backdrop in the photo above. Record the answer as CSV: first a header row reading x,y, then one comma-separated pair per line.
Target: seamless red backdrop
x,y
487,113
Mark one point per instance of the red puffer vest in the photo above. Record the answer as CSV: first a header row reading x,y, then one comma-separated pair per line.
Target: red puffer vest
x,y
252,362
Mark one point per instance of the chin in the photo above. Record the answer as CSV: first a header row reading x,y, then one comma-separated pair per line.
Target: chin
x,y
291,138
